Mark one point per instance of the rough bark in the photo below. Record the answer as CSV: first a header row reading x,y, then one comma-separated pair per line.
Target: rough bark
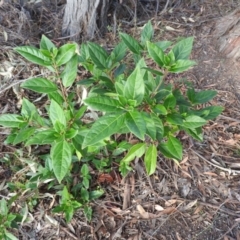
x,y
227,31
81,17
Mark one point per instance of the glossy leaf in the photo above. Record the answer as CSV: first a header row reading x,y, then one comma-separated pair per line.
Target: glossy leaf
x,y
95,194
65,53
154,71
175,118
159,127
79,113
9,236
136,124
11,120
172,148
43,137
104,104
3,207
195,133
170,102
104,127
98,55
160,109
61,156
156,53
135,151
33,55
151,129
56,113
70,72
57,97
183,48
194,122
40,85
131,43
29,110
118,52
200,97
46,43
147,33
134,88
150,159
181,66
23,135
163,44
208,113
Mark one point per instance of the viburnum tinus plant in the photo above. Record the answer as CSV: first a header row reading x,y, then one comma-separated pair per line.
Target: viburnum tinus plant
x,y
131,89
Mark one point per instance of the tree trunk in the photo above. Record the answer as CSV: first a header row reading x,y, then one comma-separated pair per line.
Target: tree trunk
x,y
81,18
227,31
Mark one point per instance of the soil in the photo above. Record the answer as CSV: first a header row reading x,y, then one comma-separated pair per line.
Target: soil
x,y
200,199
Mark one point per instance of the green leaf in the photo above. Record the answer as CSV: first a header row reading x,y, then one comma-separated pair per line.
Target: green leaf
x,y
71,133
65,195
46,44
181,66
56,113
170,102
194,122
151,129
69,211
40,85
163,44
131,43
33,55
79,113
103,104
154,71
183,48
209,113
57,97
200,97
118,52
3,207
147,33
9,236
159,126
160,109
135,151
104,127
136,124
23,135
11,120
95,194
172,148
70,72
175,118
43,137
150,159
29,110
98,55
59,128
65,53
61,156
195,133
84,170
134,88
156,53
